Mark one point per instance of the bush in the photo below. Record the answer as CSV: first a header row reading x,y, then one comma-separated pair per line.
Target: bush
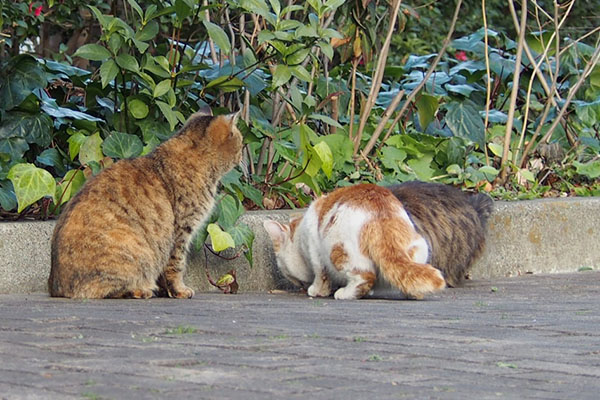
x,y
125,76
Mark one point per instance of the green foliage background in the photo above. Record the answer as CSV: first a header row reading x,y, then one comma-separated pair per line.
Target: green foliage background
x,y
83,84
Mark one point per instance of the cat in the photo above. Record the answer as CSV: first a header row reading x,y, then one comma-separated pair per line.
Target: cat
x,y
127,231
351,237
453,223
432,224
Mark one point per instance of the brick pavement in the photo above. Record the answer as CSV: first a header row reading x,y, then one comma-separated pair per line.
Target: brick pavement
x,y
534,336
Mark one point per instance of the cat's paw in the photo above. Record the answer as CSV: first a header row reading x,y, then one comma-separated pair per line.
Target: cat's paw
x,y
141,293
314,291
345,293
183,292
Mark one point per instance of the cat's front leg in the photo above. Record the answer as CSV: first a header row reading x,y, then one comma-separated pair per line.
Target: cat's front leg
x,y
359,284
321,286
173,274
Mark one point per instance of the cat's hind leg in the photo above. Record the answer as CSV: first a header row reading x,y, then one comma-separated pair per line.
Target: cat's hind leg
x,y
321,286
360,283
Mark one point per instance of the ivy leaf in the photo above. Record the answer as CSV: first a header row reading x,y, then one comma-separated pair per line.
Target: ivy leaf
x,y
52,158
590,169
122,145
108,72
219,240
15,147
19,79
75,141
464,121
93,52
31,184
8,201
324,152
218,35
34,128
422,167
426,107
243,236
90,149
301,73
229,210
70,185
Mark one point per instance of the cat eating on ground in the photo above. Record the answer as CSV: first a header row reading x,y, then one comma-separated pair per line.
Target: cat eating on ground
x,y
365,236
127,231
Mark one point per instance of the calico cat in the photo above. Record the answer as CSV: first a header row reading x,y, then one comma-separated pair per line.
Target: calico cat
x,y
128,229
432,224
349,239
453,223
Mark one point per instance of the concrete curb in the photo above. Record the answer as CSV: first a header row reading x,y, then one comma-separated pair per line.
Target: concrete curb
x,y
534,236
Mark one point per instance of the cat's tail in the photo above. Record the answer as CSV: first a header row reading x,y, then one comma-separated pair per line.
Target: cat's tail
x,y
393,245
483,205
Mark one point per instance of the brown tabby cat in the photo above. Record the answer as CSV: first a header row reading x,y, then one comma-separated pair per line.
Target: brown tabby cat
x,y
128,229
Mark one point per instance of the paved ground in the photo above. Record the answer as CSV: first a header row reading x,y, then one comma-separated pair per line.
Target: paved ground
x,y
526,337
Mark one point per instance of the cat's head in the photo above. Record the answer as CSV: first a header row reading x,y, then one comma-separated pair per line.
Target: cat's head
x,y
290,262
220,133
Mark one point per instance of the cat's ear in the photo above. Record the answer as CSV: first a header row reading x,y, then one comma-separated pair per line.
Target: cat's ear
x,y
204,111
277,232
232,118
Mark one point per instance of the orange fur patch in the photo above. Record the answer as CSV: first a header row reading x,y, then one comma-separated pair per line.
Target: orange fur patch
x,y
364,196
294,222
365,287
338,256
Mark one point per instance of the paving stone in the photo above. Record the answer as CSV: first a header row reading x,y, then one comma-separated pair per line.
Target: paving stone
x,y
532,336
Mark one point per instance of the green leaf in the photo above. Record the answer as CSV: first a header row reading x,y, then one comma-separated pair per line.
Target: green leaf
x,y
391,157
218,35
281,75
422,167
18,80
496,149
243,236
161,88
34,128
93,52
91,150
426,107
490,172
168,113
297,57
52,158
229,210
327,49
148,32
463,89
75,142
182,9
137,108
69,186
219,240
122,145
590,169
8,200
137,8
301,73
328,120
128,62
14,146
31,184
324,152
464,121
226,83
108,72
